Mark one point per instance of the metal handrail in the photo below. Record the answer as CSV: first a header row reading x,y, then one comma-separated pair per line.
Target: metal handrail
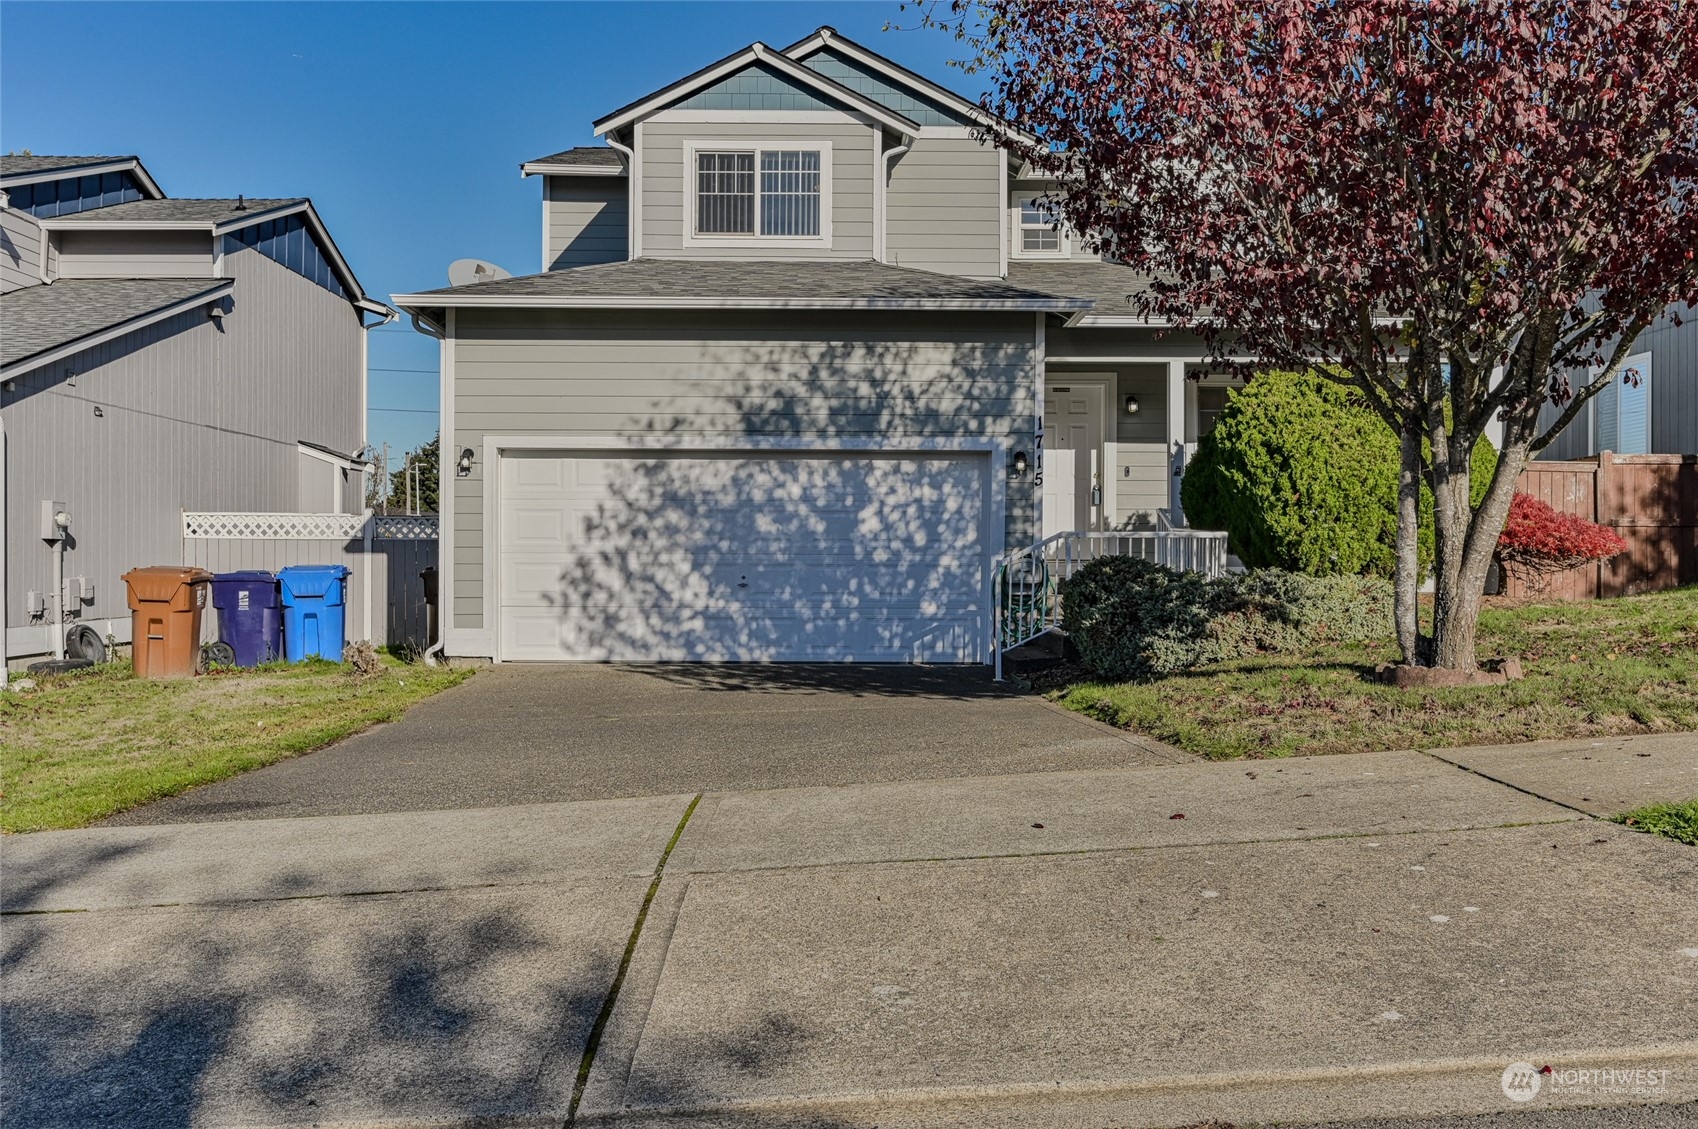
x,y
1027,582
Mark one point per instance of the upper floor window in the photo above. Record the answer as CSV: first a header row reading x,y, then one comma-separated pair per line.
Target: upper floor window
x,y
761,194
1037,233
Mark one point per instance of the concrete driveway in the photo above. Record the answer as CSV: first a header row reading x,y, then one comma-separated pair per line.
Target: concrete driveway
x,y
520,734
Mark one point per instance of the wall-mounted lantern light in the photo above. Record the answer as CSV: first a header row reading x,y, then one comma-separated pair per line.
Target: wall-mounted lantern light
x,y
464,466
1131,405
1021,464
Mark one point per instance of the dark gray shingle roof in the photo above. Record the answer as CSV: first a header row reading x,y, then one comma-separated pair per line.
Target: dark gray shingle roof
x,y
847,279
14,164
38,318
583,156
1108,284
178,211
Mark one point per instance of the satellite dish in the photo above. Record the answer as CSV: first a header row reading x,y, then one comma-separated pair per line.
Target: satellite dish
x,y
465,272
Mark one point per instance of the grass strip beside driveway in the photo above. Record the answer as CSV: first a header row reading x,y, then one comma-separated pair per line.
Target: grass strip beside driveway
x,y
1673,821
1597,668
87,745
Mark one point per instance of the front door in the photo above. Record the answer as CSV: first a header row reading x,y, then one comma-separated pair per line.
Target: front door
x,y
1074,478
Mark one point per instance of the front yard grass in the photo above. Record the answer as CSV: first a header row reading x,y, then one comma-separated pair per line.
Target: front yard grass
x,y
86,745
1627,665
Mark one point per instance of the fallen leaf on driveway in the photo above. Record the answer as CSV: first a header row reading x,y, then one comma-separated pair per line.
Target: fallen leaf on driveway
x,y
1177,815
1039,826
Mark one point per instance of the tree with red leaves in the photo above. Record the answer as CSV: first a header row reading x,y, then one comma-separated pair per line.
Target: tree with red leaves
x,y
1538,542
1449,205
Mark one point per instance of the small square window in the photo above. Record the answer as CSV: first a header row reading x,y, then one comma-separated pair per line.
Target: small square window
x,y
1039,232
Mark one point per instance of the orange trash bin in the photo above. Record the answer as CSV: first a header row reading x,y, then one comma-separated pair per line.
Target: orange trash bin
x,y
166,602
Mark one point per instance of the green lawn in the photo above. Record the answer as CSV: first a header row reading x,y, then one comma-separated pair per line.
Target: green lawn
x,y
85,745
1628,665
1675,821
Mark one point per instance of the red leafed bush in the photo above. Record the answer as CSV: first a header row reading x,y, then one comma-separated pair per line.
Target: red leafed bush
x,y
1538,541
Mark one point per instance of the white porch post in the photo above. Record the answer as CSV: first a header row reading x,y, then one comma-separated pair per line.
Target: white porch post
x,y
1175,435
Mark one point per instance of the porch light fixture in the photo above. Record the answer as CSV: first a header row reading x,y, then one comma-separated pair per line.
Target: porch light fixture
x,y
464,467
1131,405
1021,464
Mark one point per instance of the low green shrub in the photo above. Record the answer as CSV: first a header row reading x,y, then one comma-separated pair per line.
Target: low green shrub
x,y
1133,620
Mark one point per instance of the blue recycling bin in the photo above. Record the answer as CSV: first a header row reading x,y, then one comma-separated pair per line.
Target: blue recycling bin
x,y
249,619
313,611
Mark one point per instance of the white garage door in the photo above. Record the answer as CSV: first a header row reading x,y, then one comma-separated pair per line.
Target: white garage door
x,y
743,557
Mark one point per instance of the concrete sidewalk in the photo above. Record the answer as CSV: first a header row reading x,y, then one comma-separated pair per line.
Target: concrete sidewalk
x,y
1320,938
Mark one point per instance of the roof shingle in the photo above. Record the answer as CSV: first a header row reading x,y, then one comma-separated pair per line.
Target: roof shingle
x,y
20,164
583,156
749,280
179,211
39,318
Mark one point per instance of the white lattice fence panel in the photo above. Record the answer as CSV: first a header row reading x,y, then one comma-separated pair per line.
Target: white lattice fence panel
x,y
405,527
275,527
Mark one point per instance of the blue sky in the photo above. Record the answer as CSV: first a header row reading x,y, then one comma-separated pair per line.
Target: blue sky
x,y
405,122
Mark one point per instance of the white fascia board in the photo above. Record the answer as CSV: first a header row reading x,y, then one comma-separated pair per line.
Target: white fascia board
x,y
97,223
343,461
412,302
59,352
759,53
538,168
152,189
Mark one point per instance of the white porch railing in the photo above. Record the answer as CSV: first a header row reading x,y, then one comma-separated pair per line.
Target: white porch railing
x,y
1027,583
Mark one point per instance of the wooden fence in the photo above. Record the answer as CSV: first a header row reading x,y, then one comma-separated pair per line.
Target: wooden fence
x,y
1650,500
384,555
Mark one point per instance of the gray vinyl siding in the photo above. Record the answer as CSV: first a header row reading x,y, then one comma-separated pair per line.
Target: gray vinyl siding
x,y
20,250
664,210
731,374
1674,396
587,220
134,254
944,209
194,415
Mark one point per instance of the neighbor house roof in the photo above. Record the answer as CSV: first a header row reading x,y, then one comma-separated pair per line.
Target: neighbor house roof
x,y
730,284
218,213
753,54
46,322
30,169
581,160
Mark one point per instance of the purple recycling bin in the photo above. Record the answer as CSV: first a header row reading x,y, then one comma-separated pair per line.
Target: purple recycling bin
x,y
249,617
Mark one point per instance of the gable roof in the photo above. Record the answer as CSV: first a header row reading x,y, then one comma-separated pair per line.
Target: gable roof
x,y
1108,285
580,160
180,212
716,284
222,217
925,88
756,53
44,323
32,169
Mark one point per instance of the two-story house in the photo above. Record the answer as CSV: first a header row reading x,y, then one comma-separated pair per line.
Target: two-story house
x,y
160,355
804,356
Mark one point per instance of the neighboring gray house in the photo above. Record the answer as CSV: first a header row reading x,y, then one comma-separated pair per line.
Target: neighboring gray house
x,y
803,358
1657,416
160,355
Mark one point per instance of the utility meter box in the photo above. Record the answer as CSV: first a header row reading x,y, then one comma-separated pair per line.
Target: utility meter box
x,y
55,520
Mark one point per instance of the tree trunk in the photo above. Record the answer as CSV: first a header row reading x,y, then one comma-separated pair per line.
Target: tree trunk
x,y
1456,599
1407,575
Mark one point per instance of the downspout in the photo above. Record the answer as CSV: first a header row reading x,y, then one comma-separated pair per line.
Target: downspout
x,y
890,156
365,444
3,609
430,329
633,188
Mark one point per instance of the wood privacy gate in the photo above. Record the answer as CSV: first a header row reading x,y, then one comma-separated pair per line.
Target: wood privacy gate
x,y
1650,500
384,553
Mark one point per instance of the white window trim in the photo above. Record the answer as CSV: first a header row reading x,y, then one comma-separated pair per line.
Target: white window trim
x,y
1016,245
820,242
